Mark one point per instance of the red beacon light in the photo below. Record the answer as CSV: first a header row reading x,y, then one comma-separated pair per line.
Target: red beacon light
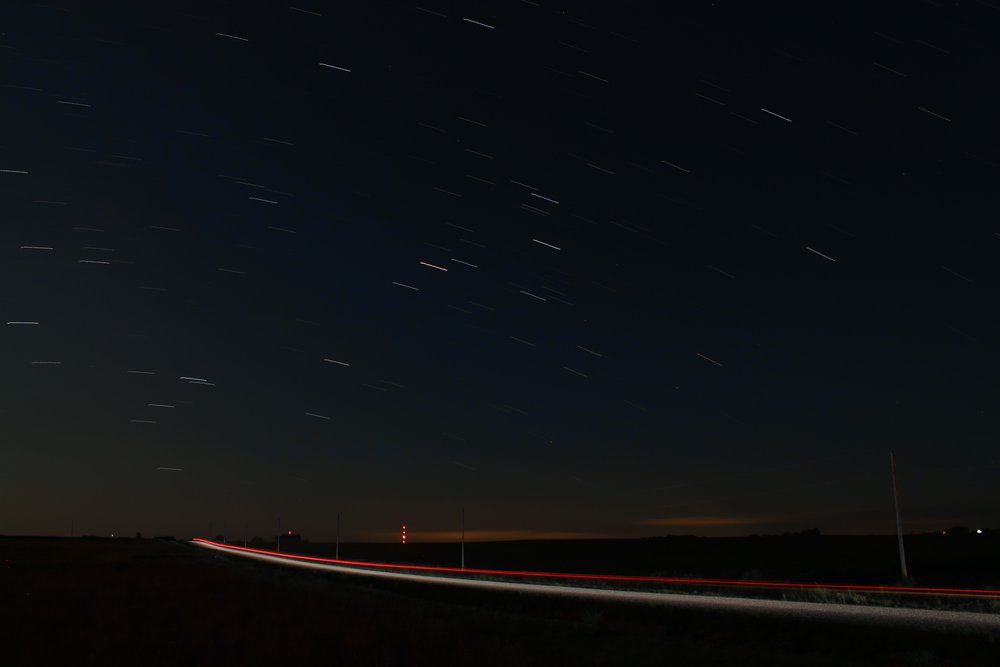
x,y
404,533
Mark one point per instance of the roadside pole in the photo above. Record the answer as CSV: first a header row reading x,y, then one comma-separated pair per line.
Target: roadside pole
x,y
899,520
463,538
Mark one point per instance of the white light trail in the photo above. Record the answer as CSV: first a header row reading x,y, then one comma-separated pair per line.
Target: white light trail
x,y
485,25
821,254
776,115
707,359
434,266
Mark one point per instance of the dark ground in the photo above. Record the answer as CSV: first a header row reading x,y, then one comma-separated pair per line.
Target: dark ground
x,y
148,602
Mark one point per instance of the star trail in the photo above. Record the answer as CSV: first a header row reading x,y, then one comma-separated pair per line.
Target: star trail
x,y
640,267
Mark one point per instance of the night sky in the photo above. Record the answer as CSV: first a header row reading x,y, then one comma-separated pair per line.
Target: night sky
x,y
585,269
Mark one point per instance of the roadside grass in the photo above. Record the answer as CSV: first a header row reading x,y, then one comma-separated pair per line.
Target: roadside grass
x,y
820,595
978,604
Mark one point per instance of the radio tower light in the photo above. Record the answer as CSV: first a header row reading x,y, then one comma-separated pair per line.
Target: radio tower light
x,y
404,533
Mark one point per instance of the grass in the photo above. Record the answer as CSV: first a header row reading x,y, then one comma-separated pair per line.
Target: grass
x,y
982,605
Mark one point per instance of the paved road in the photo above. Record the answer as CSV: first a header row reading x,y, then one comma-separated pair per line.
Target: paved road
x,y
952,622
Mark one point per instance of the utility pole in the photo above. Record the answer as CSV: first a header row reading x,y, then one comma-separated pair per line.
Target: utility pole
x,y
463,537
899,520
337,556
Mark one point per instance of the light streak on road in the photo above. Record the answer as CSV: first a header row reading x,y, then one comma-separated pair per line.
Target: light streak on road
x,y
927,619
428,569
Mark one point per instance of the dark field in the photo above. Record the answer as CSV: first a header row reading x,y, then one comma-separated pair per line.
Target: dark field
x,y
148,602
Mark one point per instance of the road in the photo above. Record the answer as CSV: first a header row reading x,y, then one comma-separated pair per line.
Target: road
x,y
951,622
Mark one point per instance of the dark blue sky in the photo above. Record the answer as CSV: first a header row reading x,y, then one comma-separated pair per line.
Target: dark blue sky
x,y
705,264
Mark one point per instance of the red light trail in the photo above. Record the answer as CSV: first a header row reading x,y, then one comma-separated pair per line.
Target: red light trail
x,y
735,583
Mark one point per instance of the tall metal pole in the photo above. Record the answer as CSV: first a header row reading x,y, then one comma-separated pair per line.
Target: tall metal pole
x,y
278,538
338,537
463,538
899,520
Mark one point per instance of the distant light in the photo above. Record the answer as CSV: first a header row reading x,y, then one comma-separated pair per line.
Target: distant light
x,y
289,532
979,531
